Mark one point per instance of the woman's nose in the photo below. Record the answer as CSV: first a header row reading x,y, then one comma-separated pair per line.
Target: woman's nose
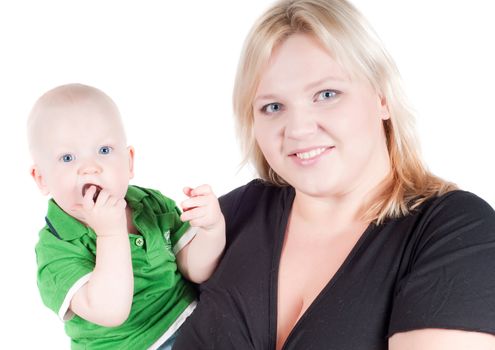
x,y
300,124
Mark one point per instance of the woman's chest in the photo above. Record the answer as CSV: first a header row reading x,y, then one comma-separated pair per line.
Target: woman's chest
x,y
309,261
328,293
335,293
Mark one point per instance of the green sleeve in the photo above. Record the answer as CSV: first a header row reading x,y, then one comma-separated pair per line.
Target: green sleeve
x,y
63,267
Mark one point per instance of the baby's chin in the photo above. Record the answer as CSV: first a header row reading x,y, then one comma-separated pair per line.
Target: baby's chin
x,y
73,209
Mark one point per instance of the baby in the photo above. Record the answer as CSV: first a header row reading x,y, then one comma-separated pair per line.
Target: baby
x,y
110,254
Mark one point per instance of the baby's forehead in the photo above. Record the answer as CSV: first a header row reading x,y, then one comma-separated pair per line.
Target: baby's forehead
x,y
75,97
74,104
73,92
69,108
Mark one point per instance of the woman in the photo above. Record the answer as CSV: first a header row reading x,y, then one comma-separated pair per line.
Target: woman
x,y
346,241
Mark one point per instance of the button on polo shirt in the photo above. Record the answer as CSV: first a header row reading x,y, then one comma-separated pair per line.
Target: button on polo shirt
x,y
139,241
66,253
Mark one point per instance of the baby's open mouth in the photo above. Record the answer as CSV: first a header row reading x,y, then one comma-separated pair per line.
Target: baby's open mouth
x,y
87,186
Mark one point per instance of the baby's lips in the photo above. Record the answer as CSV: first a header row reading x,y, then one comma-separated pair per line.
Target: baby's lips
x,y
87,186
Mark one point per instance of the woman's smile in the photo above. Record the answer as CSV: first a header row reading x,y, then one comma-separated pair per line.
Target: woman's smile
x,y
310,155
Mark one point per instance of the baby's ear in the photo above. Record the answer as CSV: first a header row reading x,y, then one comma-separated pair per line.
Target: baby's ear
x,y
38,178
130,150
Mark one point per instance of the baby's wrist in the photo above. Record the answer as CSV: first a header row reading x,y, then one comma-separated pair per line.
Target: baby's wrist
x,y
111,233
217,228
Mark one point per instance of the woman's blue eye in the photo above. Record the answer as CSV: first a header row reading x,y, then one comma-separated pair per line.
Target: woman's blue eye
x,y
272,108
105,150
66,158
326,95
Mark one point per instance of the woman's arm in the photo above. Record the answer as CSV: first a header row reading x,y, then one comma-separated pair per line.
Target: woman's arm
x,y
441,339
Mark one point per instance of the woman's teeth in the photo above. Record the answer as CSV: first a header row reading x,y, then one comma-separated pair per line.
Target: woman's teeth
x,y
310,154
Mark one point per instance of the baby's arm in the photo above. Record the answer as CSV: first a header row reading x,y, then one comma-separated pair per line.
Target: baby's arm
x,y
106,298
199,258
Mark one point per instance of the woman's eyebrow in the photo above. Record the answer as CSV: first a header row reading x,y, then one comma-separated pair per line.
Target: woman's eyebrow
x,y
319,82
308,87
265,97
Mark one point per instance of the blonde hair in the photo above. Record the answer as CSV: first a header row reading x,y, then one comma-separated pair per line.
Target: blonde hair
x,y
355,46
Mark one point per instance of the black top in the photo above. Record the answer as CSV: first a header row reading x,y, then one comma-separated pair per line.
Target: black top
x,y
434,268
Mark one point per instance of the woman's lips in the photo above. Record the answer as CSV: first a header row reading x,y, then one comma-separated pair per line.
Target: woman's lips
x,y
87,186
310,153
310,156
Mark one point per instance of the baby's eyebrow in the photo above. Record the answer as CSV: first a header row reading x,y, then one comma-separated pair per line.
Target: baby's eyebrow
x,y
60,150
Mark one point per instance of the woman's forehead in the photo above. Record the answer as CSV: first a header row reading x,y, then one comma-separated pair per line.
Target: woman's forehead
x,y
301,60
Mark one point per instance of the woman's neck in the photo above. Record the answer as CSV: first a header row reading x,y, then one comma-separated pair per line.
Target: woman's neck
x,y
322,212
341,210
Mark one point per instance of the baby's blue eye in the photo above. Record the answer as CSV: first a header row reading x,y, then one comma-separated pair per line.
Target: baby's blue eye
x,y
66,158
105,150
326,95
272,108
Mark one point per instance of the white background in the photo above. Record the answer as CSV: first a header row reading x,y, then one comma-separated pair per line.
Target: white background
x,y
170,68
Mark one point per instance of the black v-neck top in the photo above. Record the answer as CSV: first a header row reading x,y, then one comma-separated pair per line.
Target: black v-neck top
x,y
434,268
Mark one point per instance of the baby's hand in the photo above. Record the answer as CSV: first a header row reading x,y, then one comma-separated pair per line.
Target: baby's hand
x,y
106,216
202,209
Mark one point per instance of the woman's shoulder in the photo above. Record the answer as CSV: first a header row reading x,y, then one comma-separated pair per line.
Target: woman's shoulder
x,y
254,189
445,263
255,197
458,204
456,218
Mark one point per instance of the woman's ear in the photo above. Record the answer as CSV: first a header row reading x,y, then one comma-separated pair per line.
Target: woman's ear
x,y
384,112
39,180
130,150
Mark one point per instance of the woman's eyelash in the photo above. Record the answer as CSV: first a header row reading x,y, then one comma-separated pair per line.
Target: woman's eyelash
x,y
270,108
322,95
326,94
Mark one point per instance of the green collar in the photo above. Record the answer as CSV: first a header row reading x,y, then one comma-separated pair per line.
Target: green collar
x,y
68,228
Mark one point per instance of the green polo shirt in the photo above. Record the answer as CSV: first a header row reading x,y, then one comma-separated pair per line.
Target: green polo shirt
x,y
66,253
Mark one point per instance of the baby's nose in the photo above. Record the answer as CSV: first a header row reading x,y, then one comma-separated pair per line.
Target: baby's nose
x,y
89,168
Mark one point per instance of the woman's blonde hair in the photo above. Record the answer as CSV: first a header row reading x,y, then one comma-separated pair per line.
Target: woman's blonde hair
x,y
354,45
